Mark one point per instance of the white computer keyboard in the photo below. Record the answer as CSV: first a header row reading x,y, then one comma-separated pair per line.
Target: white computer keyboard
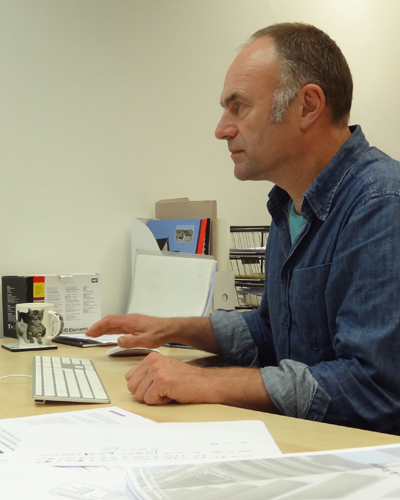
x,y
66,379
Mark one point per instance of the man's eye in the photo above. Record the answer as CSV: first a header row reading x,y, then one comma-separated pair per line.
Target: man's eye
x,y
238,105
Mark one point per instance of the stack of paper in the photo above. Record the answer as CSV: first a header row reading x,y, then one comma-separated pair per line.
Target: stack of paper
x,y
84,454
172,285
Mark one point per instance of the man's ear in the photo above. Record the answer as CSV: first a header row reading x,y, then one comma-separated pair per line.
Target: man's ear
x,y
313,104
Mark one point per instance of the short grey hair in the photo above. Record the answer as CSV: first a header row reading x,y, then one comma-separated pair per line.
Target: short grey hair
x,y
308,55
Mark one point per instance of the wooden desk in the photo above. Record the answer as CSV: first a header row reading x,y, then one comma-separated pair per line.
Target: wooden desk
x,y
291,435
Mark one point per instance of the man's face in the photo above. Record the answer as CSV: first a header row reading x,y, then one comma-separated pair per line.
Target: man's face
x,y
258,146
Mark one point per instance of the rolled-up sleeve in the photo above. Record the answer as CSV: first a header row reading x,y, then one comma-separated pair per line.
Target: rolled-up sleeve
x,y
233,338
294,391
290,385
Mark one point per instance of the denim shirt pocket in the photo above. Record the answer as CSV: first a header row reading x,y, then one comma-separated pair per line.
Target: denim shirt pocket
x,y
308,304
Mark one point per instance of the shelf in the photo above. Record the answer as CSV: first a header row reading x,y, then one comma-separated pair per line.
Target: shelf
x,y
247,256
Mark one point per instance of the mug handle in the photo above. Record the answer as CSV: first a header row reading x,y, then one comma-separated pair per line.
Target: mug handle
x,y
60,323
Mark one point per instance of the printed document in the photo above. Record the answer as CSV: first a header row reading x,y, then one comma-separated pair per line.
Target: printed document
x,y
13,430
164,443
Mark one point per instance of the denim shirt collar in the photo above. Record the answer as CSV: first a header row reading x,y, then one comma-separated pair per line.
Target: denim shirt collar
x,y
321,191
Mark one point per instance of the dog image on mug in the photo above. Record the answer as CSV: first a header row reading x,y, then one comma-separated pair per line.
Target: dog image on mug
x,y
29,326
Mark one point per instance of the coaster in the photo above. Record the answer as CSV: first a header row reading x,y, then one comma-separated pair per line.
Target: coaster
x,y
14,347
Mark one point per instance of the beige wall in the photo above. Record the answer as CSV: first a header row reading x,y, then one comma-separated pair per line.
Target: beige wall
x,y
109,105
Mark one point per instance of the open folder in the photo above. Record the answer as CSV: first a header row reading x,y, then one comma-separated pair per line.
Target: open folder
x,y
168,284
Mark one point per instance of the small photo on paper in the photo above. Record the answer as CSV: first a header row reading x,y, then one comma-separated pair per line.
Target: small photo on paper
x,y
184,234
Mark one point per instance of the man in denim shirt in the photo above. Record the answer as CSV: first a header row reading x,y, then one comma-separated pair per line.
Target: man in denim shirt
x,y
324,344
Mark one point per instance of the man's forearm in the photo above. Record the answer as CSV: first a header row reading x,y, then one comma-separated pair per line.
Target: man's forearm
x,y
148,331
241,387
196,332
160,379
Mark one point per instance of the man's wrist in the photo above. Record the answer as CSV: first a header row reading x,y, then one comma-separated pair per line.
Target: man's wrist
x,y
196,332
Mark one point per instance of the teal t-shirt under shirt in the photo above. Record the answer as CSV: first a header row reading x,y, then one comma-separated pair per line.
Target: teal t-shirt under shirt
x,y
295,222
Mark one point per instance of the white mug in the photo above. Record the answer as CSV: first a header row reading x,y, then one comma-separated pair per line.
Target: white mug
x,y
34,323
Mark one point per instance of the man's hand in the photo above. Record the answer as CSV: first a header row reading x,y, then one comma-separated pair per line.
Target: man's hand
x,y
140,330
159,379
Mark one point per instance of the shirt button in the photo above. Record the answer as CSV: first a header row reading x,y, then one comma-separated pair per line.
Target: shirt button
x,y
285,325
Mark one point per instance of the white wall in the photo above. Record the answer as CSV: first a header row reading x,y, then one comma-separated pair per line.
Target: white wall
x,y
109,105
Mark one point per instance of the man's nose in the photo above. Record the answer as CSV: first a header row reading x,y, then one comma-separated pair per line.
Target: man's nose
x,y
226,129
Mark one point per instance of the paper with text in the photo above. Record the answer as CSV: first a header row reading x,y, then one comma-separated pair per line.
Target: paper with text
x,y
13,430
165,443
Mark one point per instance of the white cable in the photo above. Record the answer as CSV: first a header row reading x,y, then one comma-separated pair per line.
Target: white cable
x,y
16,375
